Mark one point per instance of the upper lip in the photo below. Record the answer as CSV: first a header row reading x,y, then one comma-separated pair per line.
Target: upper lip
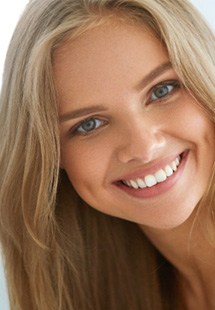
x,y
146,170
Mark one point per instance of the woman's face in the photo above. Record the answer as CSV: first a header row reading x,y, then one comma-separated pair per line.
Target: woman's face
x,y
134,143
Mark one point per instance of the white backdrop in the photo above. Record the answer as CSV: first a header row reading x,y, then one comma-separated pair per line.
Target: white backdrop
x,y
10,11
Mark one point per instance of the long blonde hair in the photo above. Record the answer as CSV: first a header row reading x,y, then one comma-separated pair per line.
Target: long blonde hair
x,y
59,253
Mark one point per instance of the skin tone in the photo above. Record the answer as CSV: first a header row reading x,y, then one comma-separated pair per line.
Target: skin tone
x,y
125,116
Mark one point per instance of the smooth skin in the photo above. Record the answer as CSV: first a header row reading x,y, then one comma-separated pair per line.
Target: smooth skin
x,y
123,112
104,69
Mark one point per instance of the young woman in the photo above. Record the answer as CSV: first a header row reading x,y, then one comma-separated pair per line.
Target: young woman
x,y
107,155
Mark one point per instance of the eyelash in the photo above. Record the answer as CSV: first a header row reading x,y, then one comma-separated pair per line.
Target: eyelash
x,y
171,87
79,130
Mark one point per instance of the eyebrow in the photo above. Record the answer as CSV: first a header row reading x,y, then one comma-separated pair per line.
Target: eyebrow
x,y
100,108
153,74
81,112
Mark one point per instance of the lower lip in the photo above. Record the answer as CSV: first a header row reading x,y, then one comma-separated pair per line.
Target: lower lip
x,y
159,188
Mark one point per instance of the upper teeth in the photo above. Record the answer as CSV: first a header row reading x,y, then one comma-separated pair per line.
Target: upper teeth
x,y
152,179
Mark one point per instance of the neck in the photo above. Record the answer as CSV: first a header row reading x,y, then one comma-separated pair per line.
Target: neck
x,y
187,248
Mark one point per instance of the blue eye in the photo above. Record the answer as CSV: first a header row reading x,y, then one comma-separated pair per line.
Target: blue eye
x,y
163,90
89,125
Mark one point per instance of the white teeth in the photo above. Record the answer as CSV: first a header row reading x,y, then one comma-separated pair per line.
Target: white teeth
x,y
159,176
150,180
127,183
134,184
177,161
173,166
168,170
141,183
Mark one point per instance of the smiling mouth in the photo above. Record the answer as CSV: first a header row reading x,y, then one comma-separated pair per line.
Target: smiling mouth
x,y
159,176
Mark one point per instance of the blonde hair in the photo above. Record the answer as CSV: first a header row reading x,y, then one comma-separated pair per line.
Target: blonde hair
x,y
59,253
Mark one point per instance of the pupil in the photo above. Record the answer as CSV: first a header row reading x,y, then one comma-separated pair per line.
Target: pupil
x,y
161,91
89,125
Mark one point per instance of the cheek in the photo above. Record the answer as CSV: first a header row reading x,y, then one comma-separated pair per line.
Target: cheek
x,y
197,129
191,122
201,130
85,165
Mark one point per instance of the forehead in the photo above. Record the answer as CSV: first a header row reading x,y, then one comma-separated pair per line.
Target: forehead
x,y
99,38
111,55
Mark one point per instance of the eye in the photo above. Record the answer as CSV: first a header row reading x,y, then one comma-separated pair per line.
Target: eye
x,y
89,125
163,90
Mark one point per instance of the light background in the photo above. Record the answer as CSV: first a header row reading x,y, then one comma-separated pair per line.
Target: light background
x,y
10,11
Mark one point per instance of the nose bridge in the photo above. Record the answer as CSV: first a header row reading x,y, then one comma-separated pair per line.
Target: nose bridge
x,y
140,139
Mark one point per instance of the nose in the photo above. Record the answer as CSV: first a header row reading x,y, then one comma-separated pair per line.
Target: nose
x,y
140,141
